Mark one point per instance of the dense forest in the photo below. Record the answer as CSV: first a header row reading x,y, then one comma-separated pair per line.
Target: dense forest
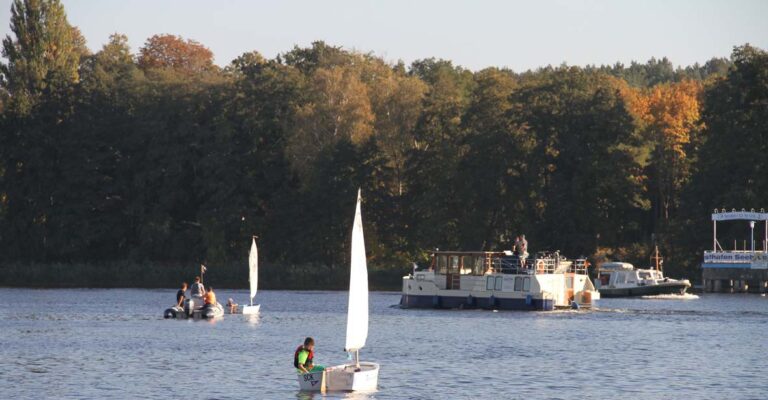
x,y
160,158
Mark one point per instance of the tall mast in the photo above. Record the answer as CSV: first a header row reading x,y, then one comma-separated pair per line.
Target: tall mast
x,y
656,258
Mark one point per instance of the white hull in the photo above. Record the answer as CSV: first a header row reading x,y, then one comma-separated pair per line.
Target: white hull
x,y
250,310
342,378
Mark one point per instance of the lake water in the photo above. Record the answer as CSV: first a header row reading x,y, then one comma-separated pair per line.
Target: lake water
x,y
115,344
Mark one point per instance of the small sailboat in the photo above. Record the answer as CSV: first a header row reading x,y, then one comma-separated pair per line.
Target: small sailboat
x,y
253,278
356,375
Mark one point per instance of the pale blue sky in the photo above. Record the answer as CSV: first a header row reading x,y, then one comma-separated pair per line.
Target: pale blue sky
x,y
474,34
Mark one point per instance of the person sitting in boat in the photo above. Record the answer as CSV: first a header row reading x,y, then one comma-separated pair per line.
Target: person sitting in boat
x,y
181,295
210,297
303,358
197,290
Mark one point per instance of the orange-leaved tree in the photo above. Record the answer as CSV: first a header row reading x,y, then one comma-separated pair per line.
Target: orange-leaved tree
x,y
668,116
170,51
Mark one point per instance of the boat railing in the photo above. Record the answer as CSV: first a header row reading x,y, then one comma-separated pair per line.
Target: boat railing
x,y
539,265
579,266
510,265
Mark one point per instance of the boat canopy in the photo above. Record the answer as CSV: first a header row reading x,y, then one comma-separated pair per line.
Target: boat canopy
x,y
616,266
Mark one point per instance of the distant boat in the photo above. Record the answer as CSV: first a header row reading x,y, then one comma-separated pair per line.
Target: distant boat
x,y
253,278
499,280
619,279
356,376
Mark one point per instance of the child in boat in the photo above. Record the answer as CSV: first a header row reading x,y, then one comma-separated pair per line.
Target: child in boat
x,y
303,358
232,306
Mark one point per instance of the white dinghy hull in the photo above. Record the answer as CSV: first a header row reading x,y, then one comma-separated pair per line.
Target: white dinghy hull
x,y
250,310
342,378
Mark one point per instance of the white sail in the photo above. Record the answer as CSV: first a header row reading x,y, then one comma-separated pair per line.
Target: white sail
x,y
253,274
357,313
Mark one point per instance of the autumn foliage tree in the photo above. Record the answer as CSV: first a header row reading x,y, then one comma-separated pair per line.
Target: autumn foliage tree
x,y
174,52
668,116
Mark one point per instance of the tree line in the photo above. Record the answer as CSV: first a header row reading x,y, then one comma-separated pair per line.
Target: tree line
x,y
161,157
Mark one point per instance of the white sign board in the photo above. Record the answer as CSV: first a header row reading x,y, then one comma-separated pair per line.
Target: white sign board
x,y
754,261
740,215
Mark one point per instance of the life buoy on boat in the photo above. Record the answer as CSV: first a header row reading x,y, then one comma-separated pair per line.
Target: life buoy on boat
x,y
540,266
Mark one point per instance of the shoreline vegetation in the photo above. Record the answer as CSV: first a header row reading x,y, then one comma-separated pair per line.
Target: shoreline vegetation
x,y
163,276
159,156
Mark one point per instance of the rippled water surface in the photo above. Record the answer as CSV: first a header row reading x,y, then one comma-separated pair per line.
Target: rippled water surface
x,y
115,344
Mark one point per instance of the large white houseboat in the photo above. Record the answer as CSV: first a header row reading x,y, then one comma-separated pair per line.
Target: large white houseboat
x,y
499,280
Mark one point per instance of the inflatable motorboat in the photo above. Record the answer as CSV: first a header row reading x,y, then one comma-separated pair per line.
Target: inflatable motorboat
x,y
194,308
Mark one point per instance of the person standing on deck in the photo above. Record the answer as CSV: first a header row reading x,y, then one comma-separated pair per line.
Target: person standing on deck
x,y
303,358
521,246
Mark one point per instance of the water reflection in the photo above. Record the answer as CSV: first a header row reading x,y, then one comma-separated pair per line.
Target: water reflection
x,y
252,319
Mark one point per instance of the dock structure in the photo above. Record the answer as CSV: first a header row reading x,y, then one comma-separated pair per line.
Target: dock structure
x,y
742,269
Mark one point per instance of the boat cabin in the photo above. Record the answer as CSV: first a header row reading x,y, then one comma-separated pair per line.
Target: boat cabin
x,y
619,274
455,265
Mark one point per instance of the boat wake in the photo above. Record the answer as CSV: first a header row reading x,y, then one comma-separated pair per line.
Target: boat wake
x,y
686,296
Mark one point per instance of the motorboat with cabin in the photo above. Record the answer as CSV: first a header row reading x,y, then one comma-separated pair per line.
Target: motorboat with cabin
x,y
499,281
620,279
355,375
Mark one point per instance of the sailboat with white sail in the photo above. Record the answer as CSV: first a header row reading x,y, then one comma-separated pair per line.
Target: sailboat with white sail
x,y
356,375
253,278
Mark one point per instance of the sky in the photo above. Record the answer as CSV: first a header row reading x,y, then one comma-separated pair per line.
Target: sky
x,y
476,34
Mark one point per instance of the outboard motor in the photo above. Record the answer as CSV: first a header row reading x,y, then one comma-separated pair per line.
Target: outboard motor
x,y
169,313
189,307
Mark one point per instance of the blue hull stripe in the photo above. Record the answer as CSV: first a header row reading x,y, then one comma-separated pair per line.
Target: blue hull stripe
x,y
495,303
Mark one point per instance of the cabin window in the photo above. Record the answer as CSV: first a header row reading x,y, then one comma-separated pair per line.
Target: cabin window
x,y
479,266
526,284
489,283
518,284
467,265
442,264
453,266
499,282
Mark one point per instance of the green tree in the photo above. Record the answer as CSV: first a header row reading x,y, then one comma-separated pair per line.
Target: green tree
x,y
587,189
728,172
44,55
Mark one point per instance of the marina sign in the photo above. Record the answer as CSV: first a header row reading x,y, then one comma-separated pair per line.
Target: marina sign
x,y
740,215
755,260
